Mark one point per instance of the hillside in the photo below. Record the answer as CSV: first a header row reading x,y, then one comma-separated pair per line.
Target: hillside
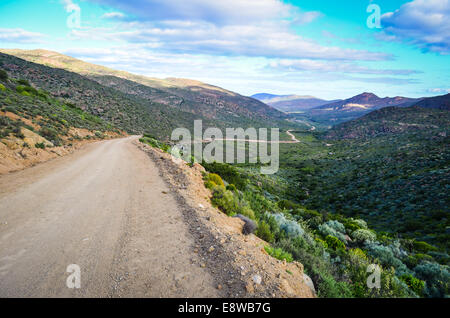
x,y
354,107
35,127
394,120
194,97
437,102
130,113
291,103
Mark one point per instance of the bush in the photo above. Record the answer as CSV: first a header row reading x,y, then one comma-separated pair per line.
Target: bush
x,y
291,228
215,178
329,228
2,88
225,200
278,253
40,145
424,247
50,134
334,243
362,236
23,82
415,284
3,76
246,211
209,184
228,172
386,256
264,233
437,278
231,187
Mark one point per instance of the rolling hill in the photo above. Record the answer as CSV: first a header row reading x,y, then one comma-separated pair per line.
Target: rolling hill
x,y
198,99
291,103
437,102
394,120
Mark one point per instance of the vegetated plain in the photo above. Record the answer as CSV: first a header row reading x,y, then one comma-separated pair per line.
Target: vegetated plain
x,y
371,190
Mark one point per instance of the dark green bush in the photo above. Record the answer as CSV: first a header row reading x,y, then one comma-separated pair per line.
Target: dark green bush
x,y
263,232
424,247
3,76
334,243
23,82
40,145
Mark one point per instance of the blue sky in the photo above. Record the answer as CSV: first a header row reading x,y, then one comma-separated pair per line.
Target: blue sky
x,y
320,48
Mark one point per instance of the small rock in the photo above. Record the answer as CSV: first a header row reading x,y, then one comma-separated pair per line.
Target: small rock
x,y
243,253
203,265
219,287
211,249
164,192
201,206
257,279
249,287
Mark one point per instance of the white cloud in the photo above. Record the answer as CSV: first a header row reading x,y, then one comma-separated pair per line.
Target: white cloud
x,y
423,23
113,15
268,39
333,67
439,90
232,27
20,36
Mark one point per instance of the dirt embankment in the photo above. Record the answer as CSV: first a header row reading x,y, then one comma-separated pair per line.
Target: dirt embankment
x,y
20,153
239,264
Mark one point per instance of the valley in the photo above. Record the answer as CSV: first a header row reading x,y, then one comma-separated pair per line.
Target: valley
x,y
361,181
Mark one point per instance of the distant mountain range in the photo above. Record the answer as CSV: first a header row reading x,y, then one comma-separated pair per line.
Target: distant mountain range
x,y
331,113
291,103
366,102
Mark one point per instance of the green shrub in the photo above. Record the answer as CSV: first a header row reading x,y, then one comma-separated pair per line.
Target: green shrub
x,y
334,243
2,88
362,236
215,178
23,82
228,173
263,232
437,278
231,187
225,200
209,184
278,253
40,145
332,228
3,76
415,284
290,227
246,211
423,247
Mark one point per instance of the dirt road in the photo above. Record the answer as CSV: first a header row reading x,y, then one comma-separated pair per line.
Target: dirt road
x,y
106,209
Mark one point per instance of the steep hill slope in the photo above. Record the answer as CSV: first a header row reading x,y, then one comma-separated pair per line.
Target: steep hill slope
x,y
190,96
35,127
125,111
